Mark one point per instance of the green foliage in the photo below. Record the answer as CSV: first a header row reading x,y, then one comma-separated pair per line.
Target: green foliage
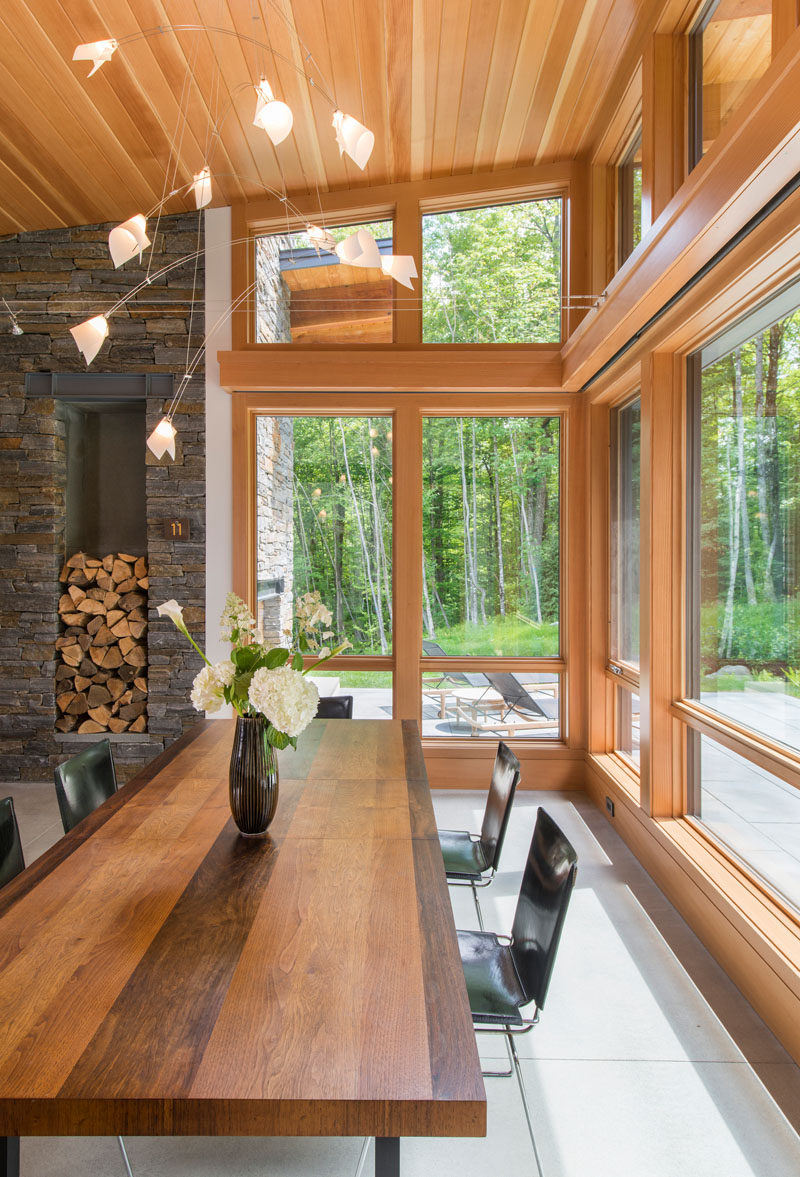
x,y
492,275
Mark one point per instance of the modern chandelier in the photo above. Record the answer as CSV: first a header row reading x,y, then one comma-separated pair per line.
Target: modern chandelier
x,y
129,239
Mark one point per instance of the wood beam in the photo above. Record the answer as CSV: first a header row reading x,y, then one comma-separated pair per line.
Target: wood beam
x,y
663,140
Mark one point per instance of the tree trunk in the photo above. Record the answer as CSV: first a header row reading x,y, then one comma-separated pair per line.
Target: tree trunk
x,y
480,592
761,464
501,580
374,592
468,613
738,408
427,602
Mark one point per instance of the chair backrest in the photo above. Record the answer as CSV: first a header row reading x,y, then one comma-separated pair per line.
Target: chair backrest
x,y
84,782
505,778
335,707
434,650
11,859
542,905
514,694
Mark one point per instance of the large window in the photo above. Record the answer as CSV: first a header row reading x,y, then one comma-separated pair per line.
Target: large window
x,y
624,562
464,637
493,275
491,576
744,587
730,47
306,293
744,621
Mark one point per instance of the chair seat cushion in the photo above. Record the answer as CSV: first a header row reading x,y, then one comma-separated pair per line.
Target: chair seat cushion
x,y
463,857
495,992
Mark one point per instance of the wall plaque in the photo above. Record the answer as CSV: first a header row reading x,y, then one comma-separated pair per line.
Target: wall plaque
x,y
176,529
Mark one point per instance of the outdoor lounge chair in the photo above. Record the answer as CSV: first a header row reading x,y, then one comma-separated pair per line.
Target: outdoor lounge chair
x,y
509,709
449,679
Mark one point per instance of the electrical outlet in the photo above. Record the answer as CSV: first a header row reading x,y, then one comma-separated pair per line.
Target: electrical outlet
x,y
610,806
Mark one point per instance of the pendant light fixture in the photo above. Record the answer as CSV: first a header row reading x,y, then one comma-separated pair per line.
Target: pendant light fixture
x,y
360,249
98,52
128,239
321,239
89,336
353,137
201,186
401,267
162,440
272,116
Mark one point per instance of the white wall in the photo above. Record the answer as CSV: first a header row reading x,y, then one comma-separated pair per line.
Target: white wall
x,y
219,496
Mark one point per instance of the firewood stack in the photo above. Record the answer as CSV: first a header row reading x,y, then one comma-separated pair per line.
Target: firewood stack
x,y
101,672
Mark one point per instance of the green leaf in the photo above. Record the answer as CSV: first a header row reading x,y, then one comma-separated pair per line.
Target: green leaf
x,y
245,658
276,738
297,662
275,658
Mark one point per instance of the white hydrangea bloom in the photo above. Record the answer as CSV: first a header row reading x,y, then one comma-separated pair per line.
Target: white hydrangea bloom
x,y
287,698
208,686
311,612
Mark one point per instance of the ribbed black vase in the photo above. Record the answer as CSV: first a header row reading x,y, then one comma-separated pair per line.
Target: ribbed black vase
x,y
253,776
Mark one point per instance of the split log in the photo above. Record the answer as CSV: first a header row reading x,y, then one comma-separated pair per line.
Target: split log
x,y
90,727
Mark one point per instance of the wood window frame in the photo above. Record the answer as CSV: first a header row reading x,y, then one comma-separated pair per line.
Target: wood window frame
x,y
406,661
625,170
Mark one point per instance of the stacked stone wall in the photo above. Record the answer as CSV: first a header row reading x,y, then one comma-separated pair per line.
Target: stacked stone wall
x,y
273,297
58,278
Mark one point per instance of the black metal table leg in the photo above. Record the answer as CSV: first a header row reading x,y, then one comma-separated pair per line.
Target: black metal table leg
x,y
9,1156
387,1156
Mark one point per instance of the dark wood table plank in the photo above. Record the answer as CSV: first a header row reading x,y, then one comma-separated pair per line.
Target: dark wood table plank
x,y
161,974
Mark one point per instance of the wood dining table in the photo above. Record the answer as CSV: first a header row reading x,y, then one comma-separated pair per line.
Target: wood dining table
x,y
160,974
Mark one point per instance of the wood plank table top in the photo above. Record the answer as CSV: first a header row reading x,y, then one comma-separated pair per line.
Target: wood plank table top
x,y
160,974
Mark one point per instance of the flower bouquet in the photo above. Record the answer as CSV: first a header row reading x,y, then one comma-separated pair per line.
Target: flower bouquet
x,y
268,688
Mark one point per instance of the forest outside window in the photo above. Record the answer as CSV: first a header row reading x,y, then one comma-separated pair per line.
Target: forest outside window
x,y
491,573
625,483
493,274
324,524
730,47
744,591
306,295
629,198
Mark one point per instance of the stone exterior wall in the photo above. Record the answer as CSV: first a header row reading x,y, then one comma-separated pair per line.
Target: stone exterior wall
x,y
55,279
272,294
275,541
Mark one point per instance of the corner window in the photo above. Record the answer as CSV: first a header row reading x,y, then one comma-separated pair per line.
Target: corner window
x,y
493,275
730,47
307,294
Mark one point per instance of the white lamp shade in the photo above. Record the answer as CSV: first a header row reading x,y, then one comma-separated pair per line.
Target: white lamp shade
x,y
98,52
128,239
162,440
272,116
89,336
360,249
201,185
401,267
353,137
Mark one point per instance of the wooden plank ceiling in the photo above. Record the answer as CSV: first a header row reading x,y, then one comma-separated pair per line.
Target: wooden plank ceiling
x,y
448,87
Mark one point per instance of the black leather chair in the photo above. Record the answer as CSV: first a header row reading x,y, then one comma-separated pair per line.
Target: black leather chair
x,y
11,858
472,859
84,782
335,707
504,975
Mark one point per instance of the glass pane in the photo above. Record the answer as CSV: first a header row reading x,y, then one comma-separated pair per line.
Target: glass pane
x,y
492,275
491,704
324,523
371,690
490,534
755,814
305,294
625,534
747,618
630,200
628,724
736,50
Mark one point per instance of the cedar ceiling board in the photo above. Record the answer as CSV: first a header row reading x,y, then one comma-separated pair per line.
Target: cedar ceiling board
x,y
482,31
262,166
420,81
593,133
534,45
504,58
370,41
318,152
234,68
351,77
431,32
310,20
399,42
45,56
156,70
560,38
450,80
591,59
